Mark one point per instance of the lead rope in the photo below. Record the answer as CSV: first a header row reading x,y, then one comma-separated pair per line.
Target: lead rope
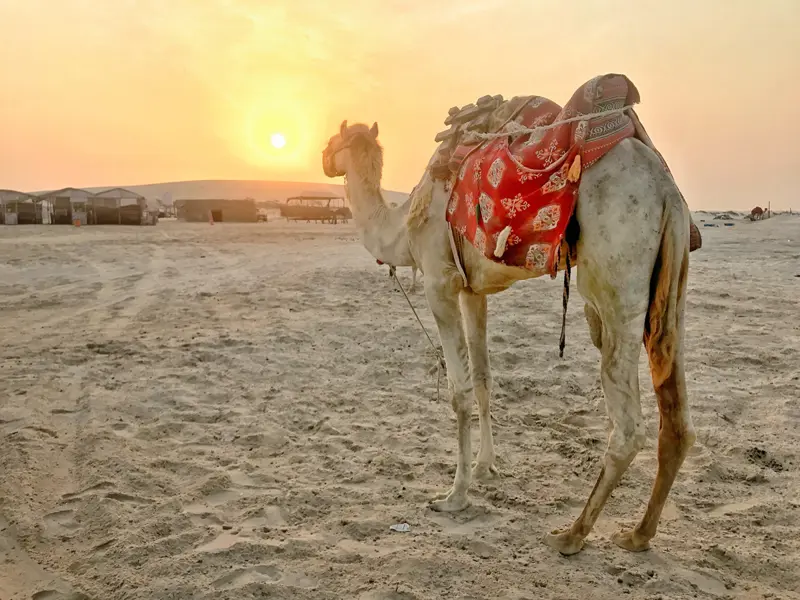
x,y
440,364
563,341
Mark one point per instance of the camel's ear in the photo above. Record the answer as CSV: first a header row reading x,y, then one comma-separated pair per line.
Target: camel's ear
x,y
374,130
343,128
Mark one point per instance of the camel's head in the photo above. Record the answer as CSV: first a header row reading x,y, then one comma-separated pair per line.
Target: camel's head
x,y
351,144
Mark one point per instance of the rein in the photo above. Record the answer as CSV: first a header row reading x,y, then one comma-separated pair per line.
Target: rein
x,y
440,363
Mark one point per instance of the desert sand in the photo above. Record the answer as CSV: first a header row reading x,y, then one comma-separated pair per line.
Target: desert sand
x,y
242,411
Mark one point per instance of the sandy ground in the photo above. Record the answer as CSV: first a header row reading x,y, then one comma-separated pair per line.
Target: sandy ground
x,y
242,411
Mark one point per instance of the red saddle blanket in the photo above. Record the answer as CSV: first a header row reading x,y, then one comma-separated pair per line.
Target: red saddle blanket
x,y
512,200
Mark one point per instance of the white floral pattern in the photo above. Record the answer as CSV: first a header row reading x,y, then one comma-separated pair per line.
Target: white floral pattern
x,y
590,89
536,102
557,181
526,175
476,170
547,218
550,154
536,257
453,204
480,240
514,205
496,170
462,172
580,131
512,240
469,200
487,210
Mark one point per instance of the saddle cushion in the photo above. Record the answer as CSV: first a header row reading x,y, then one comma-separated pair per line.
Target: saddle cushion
x,y
512,200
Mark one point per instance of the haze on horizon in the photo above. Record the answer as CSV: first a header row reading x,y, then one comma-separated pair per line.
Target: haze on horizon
x,y
143,91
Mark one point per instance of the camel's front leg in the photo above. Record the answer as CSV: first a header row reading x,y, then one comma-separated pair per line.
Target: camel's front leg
x,y
443,302
413,287
473,307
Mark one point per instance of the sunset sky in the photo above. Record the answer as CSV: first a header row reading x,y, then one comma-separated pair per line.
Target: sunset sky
x,y
123,92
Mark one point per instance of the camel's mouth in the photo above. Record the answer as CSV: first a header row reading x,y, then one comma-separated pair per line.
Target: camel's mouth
x,y
328,164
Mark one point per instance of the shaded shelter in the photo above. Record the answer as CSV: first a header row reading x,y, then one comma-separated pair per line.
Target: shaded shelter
x,y
118,206
69,205
19,208
234,211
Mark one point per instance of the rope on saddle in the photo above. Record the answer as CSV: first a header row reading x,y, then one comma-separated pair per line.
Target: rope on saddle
x,y
514,129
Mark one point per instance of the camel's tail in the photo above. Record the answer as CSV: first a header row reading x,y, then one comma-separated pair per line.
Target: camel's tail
x,y
663,332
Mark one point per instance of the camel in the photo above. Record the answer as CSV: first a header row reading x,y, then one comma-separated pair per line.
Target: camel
x,y
396,282
633,282
757,214
413,288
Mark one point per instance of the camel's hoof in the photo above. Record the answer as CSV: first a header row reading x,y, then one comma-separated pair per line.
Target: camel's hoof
x,y
484,472
564,541
442,495
449,502
630,541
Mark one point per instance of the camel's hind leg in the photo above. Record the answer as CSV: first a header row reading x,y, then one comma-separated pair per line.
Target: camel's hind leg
x,y
473,307
675,436
620,348
664,341
620,214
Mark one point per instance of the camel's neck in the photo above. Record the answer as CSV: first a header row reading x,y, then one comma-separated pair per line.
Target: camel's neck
x,y
383,228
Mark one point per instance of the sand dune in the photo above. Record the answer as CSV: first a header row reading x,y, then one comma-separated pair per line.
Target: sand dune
x,y
242,411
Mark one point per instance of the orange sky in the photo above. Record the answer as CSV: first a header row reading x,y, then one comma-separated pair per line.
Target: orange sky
x,y
116,92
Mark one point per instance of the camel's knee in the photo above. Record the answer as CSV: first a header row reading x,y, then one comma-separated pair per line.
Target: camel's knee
x,y
482,380
678,432
688,437
676,420
627,438
461,401
595,326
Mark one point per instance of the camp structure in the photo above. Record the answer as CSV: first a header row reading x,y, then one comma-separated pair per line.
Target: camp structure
x,y
119,206
70,206
231,211
19,208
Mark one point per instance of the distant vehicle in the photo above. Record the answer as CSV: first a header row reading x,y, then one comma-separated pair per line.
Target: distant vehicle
x,y
325,209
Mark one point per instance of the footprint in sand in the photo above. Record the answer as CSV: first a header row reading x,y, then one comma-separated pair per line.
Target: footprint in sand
x,y
242,577
56,595
469,522
43,430
65,411
263,574
223,541
388,595
98,487
243,487
213,500
127,498
61,522
123,429
733,507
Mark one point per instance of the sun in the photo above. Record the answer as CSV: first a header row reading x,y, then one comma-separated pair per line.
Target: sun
x,y
277,140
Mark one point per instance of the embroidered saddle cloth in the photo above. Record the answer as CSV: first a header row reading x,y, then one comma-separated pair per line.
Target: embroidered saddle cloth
x,y
512,200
